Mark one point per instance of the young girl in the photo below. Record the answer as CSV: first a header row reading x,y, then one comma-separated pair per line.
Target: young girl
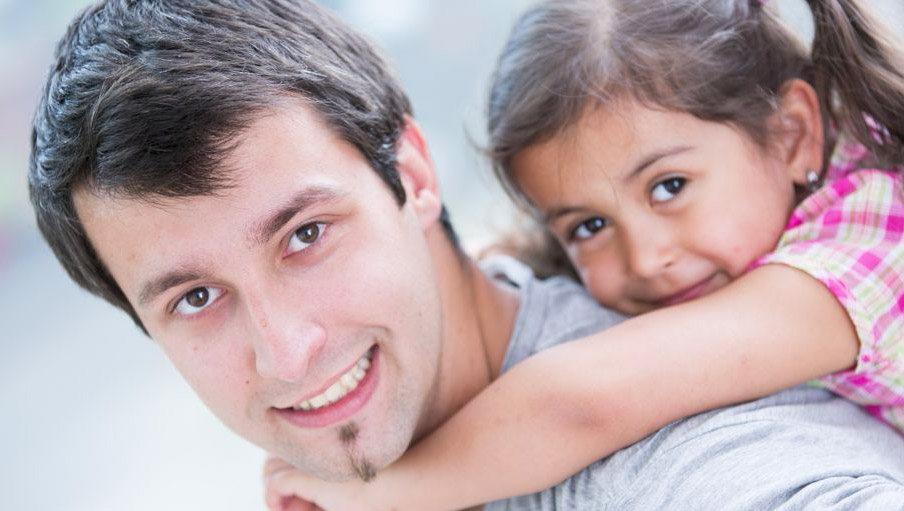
x,y
700,169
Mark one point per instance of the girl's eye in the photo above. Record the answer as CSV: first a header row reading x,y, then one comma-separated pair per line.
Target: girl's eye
x,y
197,300
666,190
305,236
588,228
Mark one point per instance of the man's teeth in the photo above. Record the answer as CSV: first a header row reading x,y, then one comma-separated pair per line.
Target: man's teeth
x,y
345,384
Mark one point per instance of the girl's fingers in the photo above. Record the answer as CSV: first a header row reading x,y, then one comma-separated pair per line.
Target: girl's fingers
x,y
279,487
274,465
284,486
296,504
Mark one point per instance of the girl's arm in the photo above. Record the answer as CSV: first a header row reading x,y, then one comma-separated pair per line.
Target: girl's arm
x,y
571,405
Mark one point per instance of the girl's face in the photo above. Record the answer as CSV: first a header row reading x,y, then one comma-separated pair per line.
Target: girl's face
x,y
655,207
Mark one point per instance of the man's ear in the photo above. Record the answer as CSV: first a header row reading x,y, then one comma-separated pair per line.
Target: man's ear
x,y
800,138
418,174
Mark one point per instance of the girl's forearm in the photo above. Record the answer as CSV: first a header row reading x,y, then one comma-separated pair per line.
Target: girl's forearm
x,y
571,405
526,432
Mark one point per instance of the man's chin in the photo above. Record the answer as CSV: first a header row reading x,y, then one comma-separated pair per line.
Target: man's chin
x,y
348,460
357,448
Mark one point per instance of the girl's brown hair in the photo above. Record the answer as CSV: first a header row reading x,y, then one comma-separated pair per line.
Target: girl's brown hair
x,y
719,60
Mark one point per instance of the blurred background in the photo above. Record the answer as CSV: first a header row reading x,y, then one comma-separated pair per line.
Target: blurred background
x,y
94,418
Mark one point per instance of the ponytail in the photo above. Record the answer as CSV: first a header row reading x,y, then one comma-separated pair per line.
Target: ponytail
x,y
857,72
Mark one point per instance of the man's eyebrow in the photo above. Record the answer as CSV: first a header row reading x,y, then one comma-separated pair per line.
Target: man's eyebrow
x,y
260,233
264,230
156,286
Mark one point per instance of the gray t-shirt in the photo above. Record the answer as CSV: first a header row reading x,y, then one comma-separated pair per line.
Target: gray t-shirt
x,y
801,449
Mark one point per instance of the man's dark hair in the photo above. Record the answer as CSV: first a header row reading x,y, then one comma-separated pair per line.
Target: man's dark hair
x,y
146,97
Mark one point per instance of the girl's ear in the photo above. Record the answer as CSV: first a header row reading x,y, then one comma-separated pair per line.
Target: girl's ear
x,y
417,173
800,137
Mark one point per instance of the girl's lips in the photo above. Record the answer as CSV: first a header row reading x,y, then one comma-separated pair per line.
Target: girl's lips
x,y
342,409
688,294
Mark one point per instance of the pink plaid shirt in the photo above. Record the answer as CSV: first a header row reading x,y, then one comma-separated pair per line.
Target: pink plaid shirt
x,y
848,234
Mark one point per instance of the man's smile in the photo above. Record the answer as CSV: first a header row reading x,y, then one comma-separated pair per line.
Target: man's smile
x,y
341,386
346,394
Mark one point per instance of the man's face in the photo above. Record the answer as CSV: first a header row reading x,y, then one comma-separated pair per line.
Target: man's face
x,y
300,303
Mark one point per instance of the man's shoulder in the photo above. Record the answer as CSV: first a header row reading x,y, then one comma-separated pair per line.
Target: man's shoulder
x,y
552,311
568,312
758,455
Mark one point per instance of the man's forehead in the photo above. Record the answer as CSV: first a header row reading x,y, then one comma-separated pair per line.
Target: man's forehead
x,y
285,162
192,230
279,125
284,146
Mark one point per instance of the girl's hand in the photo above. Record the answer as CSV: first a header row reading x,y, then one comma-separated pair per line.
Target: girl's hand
x,y
288,489
284,488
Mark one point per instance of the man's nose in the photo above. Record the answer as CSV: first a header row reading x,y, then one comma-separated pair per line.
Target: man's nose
x,y
285,342
650,249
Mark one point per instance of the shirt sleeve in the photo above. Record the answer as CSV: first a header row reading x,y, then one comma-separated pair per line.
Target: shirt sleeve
x,y
797,450
848,235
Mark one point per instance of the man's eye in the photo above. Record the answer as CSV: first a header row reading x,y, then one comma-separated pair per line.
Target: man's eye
x,y
588,228
666,190
305,236
197,300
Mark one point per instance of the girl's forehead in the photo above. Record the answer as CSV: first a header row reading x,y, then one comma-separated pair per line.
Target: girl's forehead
x,y
604,138
611,154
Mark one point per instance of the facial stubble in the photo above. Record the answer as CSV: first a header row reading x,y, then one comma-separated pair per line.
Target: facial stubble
x,y
348,436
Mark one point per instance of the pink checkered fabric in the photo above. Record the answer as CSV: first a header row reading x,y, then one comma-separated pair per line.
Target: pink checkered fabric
x,y
848,234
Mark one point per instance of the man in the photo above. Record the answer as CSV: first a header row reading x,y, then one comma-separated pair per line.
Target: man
x,y
245,180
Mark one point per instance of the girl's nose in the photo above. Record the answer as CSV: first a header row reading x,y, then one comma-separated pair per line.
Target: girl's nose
x,y
651,250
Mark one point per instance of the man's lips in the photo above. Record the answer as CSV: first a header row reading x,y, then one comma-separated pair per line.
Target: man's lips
x,y
695,291
334,405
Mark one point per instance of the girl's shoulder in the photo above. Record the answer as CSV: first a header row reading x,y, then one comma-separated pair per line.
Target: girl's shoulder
x,y
850,155
857,199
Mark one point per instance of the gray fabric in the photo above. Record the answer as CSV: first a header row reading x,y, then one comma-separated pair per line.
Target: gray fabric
x,y
801,449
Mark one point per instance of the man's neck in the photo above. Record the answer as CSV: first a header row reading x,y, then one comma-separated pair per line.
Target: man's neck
x,y
478,319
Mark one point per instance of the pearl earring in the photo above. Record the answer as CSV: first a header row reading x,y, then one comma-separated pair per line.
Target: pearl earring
x,y
813,180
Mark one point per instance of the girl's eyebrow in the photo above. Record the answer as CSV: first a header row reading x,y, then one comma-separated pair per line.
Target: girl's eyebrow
x,y
555,213
653,158
558,212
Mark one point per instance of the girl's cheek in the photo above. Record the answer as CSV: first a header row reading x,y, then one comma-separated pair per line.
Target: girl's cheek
x,y
603,285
